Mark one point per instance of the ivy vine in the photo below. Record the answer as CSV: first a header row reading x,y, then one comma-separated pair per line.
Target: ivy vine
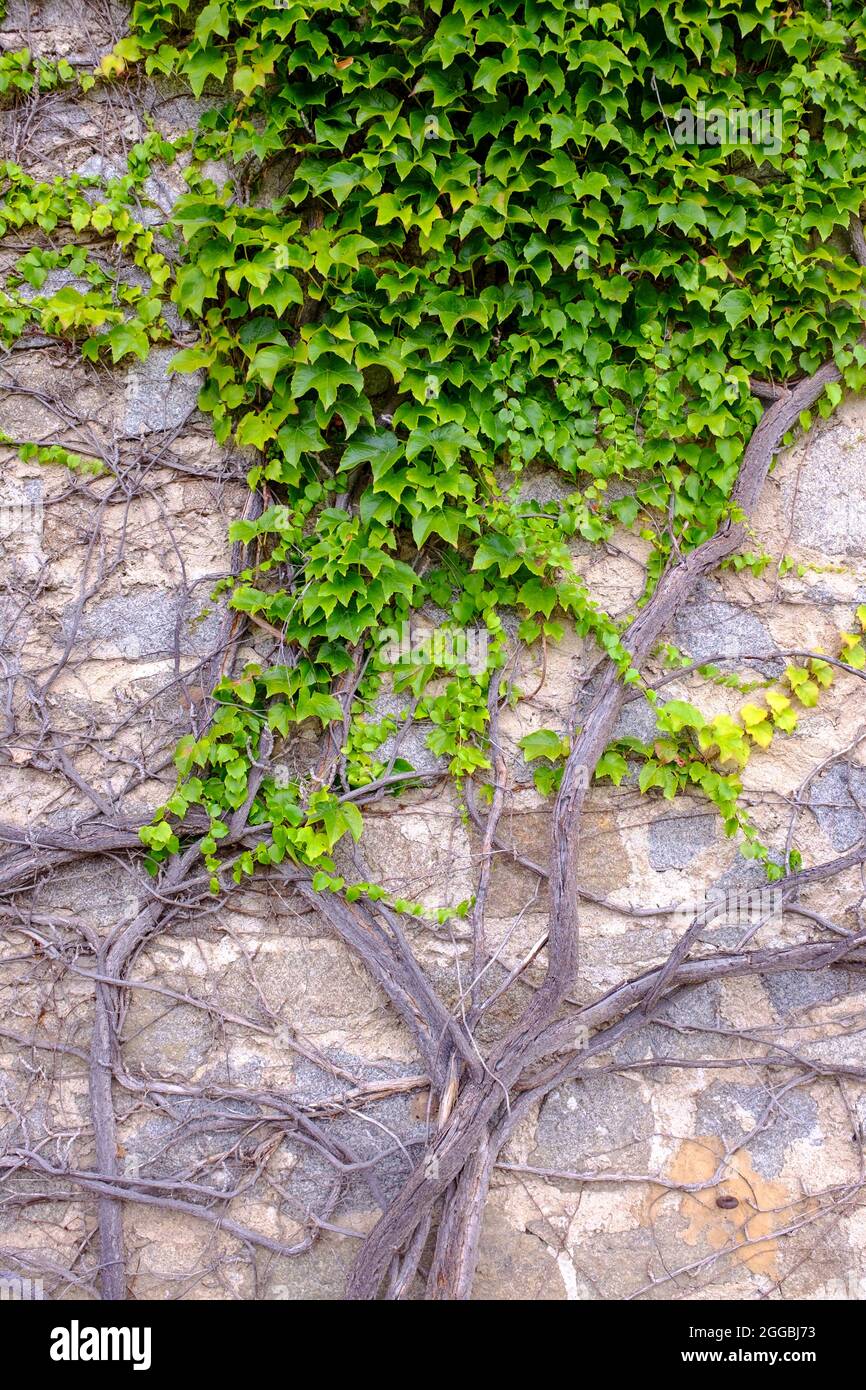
x,y
489,253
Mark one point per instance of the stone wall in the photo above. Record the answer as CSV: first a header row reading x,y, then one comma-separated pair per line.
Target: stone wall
x,y
698,1170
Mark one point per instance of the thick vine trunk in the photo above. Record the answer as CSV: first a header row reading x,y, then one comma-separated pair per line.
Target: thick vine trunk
x,y
466,1137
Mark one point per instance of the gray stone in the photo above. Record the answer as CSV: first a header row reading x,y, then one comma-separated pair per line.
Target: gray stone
x,y
55,27
377,1129
543,485
595,1115
792,1117
838,801
155,400
674,842
708,627
97,166
696,1008
825,497
174,1041
735,890
699,1006
740,873
410,739
795,990
637,720
163,190
54,281
147,624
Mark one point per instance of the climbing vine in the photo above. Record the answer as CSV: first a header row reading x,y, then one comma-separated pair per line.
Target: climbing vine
x,y
425,253
490,254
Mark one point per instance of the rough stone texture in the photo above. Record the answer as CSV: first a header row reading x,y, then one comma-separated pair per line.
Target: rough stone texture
x,y
732,1112
155,400
674,841
838,802
831,519
709,626
595,1118
107,596
147,623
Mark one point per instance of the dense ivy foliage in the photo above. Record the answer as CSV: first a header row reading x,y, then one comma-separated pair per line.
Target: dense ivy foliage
x,y
108,313
492,254
464,240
